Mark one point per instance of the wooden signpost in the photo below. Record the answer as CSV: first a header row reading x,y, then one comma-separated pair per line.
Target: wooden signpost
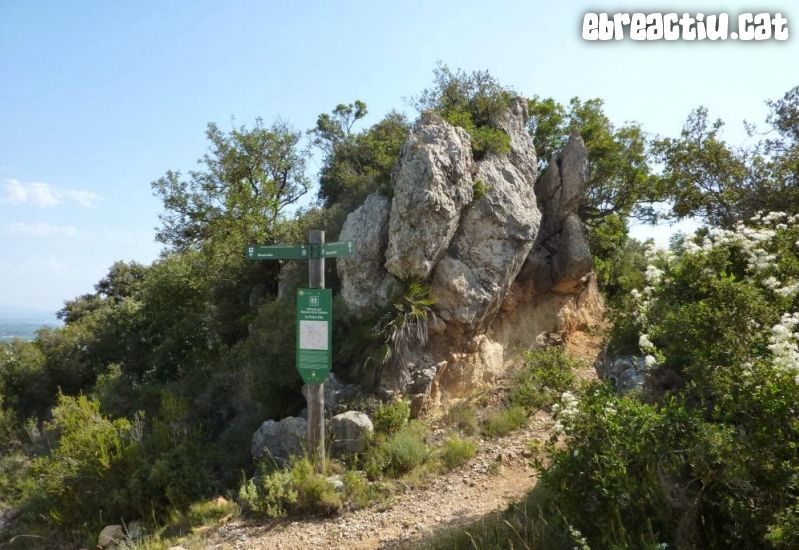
x,y
314,326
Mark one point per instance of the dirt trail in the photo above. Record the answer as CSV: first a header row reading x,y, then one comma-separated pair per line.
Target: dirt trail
x,y
456,498
453,499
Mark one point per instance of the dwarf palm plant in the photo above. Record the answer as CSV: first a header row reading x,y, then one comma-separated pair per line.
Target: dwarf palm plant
x,y
393,333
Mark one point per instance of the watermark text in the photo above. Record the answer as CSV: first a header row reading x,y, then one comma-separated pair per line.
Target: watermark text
x,y
673,26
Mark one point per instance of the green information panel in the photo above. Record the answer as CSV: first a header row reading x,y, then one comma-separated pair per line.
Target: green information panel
x,y
278,252
314,333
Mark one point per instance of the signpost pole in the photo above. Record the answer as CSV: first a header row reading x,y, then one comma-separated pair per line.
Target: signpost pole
x,y
315,393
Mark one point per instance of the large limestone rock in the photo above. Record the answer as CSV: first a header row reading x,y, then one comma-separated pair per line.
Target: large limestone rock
x,y
505,267
432,185
349,431
364,280
560,259
496,232
280,440
562,185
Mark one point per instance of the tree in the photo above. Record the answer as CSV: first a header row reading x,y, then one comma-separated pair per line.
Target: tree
x,y
621,181
356,164
250,178
721,183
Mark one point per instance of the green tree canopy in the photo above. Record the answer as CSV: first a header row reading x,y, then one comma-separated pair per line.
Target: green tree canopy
x,y
707,177
356,164
250,177
471,101
621,179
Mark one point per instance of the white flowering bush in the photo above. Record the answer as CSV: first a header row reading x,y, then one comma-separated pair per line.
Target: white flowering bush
x,y
721,298
711,460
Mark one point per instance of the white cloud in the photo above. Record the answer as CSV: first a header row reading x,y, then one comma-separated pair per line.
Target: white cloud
x,y
43,229
44,195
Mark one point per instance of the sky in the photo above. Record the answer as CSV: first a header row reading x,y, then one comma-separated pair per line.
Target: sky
x,y
99,99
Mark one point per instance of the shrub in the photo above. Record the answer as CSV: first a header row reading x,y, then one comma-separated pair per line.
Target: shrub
x,y
480,188
315,494
389,418
547,373
293,490
714,463
503,422
471,101
457,452
406,450
357,491
84,477
271,495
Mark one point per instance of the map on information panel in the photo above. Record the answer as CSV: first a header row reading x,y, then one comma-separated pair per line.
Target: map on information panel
x,y
313,335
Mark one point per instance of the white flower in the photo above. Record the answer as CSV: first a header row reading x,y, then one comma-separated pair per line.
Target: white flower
x,y
771,283
650,361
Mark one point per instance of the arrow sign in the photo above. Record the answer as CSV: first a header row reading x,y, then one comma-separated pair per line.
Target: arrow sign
x,y
336,250
278,252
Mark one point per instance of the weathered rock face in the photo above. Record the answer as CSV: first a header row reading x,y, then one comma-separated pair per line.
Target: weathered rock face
x,y
348,432
495,235
627,374
432,185
560,258
280,440
364,280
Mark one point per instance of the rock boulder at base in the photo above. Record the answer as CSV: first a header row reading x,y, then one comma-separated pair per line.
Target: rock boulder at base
x,y
432,185
110,536
280,440
348,432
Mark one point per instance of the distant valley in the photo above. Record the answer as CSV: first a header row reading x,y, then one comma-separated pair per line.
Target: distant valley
x,y
24,322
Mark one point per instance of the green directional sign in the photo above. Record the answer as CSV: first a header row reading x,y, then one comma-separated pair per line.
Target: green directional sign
x,y
278,252
335,250
314,333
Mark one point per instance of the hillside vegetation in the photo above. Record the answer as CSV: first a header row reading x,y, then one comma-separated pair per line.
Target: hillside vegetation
x,y
142,406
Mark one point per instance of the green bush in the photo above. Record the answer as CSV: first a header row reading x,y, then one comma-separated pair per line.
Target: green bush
x,y
457,452
389,418
471,101
293,490
713,463
546,374
480,188
501,423
406,450
84,477
271,494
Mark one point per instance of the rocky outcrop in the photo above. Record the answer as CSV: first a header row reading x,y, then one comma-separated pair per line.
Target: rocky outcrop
x,y
280,440
516,256
560,259
364,279
432,185
348,433
110,536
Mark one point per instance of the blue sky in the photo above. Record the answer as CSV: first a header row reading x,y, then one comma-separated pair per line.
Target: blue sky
x,y
101,98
